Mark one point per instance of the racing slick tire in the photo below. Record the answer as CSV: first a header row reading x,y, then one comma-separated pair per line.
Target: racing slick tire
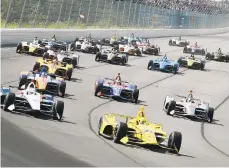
x,y
23,81
175,69
174,142
62,88
185,50
150,65
208,56
100,124
9,100
72,47
171,106
203,52
19,48
210,114
69,73
36,66
58,108
202,67
138,52
123,61
120,132
227,58
135,96
98,89
74,62
170,42
97,56
45,56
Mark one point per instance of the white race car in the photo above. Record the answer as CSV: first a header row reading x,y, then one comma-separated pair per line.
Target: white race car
x,y
194,50
31,101
188,107
76,45
69,58
178,42
130,49
111,56
90,47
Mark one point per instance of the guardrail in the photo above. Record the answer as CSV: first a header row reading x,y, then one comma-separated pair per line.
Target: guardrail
x,y
13,36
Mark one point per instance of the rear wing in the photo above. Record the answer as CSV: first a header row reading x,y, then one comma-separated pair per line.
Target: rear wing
x,y
120,115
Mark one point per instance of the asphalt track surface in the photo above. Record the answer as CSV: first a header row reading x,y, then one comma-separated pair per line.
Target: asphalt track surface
x,y
75,141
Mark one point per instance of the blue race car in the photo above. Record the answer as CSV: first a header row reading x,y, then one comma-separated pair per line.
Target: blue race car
x,y
116,89
163,65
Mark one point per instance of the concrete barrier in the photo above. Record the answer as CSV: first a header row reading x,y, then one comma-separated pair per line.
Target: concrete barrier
x,y
13,36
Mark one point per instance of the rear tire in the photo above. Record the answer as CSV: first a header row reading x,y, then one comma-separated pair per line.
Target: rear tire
x,y
97,56
9,100
174,143
19,48
62,88
74,62
69,74
210,114
23,81
36,66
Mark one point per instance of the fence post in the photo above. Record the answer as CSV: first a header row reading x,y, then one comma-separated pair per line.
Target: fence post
x,y
131,1
123,13
104,9
22,13
109,19
116,20
70,12
50,2
8,13
35,16
139,14
88,13
79,12
60,12
96,12
135,8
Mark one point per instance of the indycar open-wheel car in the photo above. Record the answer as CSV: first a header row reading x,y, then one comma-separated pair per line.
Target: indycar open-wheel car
x,y
132,131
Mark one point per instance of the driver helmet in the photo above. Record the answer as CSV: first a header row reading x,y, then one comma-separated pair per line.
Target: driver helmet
x,y
142,120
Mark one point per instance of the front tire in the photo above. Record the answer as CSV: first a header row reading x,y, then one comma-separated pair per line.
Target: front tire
x,y
174,143
121,131
9,100
58,108
171,106
210,114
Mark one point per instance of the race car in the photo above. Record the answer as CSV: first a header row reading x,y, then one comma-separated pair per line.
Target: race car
x,y
44,82
164,65
194,50
217,56
33,48
69,58
76,44
55,45
178,42
150,49
59,69
138,131
105,41
192,62
111,56
130,49
120,90
188,107
90,47
29,100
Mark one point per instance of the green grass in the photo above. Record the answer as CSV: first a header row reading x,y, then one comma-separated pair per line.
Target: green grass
x,y
70,25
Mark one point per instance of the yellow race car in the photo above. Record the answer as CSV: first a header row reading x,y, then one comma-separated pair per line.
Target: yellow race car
x,y
31,48
60,69
137,130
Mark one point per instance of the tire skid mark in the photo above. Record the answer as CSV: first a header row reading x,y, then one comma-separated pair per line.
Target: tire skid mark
x,y
205,138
